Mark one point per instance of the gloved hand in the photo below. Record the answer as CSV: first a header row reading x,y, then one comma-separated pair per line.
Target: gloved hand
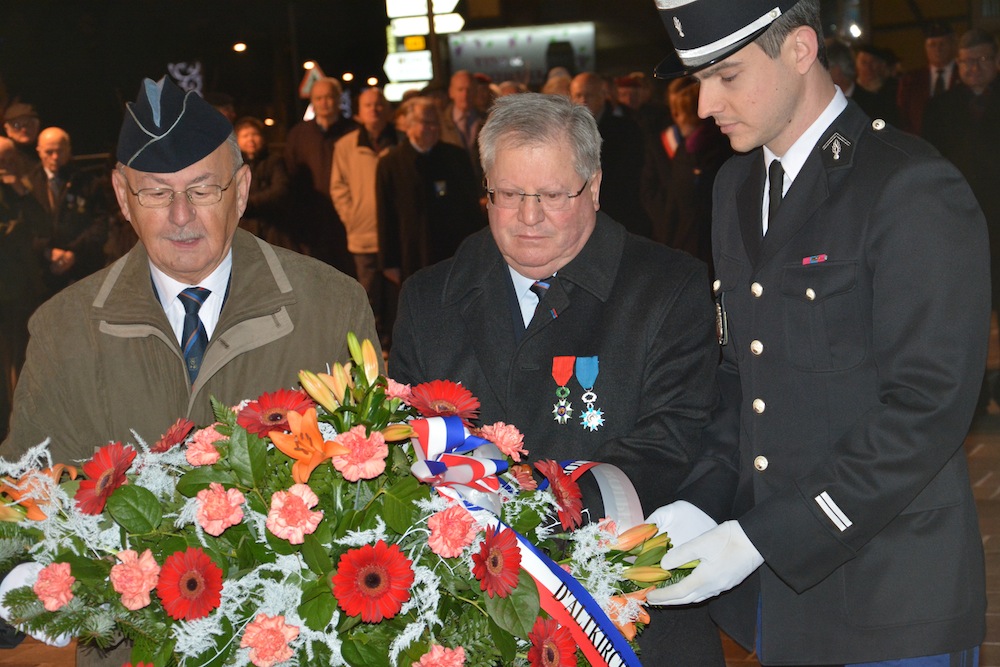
x,y
727,557
681,521
26,574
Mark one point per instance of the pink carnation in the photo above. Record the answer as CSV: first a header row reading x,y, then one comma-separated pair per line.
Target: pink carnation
x,y
440,656
200,450
398,390
54,586
219,508
267,638
366,460
290,516
451,531
507,438
134,577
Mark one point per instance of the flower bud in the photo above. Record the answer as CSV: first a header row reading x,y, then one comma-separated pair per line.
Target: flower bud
x,y
634,536
647,574
397,432
318,390
370,361
354,347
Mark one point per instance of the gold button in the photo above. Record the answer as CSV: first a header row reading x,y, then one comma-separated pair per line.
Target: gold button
x,y
757,347
810,294
758,406
756,289
878,124
717,285
760,463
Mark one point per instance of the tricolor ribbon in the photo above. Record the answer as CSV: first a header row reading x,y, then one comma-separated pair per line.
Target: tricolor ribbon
x,y
442,444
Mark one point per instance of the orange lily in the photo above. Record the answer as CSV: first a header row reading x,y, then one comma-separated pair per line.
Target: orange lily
x,y
617,605
338,380
305,444
26,485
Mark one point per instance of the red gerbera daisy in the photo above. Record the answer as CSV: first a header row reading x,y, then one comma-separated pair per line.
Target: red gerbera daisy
x,y
174,436
190,584
551,645
567,492
497,563
267,413
443,398
105,473
373,581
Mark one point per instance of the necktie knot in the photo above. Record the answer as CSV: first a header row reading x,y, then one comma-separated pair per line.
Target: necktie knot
x,y
194,338
540,287
939,82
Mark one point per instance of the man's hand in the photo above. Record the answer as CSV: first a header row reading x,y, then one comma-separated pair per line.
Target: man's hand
x,y
61,261
26,574
681,521
726,557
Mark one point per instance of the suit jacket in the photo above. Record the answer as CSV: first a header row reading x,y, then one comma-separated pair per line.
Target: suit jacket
x,y
103,359
641,308
623,152
427,203
913,94
848,383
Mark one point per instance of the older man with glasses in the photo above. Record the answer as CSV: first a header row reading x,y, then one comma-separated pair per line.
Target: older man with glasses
x,y
198,308
597,344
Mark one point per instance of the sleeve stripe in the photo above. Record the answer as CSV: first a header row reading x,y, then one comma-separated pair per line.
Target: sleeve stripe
x,y
831,509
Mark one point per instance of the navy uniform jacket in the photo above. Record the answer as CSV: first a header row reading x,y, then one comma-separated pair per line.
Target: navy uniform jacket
x,y
643,309
855,342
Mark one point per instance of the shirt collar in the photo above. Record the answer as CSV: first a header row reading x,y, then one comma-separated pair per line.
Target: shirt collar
x,y
167,288
799,152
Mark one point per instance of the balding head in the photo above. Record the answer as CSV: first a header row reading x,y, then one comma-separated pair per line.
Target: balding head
x,y
590,90
54,148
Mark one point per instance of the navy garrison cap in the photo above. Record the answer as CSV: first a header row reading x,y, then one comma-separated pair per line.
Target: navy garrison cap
x,y
167,129
704,32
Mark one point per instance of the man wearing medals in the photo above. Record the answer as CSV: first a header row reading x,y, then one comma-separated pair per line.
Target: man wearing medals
x,y
597,344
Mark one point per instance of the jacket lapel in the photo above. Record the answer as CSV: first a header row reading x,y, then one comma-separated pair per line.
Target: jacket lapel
x,y
749,201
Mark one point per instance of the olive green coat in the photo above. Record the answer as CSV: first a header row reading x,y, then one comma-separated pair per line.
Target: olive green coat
x,y
103,360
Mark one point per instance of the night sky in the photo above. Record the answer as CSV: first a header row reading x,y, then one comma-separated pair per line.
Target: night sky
x,y
79,61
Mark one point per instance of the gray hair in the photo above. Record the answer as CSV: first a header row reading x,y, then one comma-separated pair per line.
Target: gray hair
x,y
976,37
532,119
804,13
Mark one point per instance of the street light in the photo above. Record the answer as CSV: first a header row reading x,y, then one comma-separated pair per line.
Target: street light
x,y
239,47
309,64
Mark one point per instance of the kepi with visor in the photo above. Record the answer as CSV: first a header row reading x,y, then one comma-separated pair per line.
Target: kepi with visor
x,y
704,32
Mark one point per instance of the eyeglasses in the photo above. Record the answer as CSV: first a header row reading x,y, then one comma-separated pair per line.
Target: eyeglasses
x,y
549,201
21,124
981,61
199,195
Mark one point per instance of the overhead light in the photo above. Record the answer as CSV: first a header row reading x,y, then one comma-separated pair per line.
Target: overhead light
x,y
239,47
348,76
855,30
269,122
309,64
372,81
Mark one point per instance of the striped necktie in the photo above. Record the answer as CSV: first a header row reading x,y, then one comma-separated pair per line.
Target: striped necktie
x,y
540,287
194,339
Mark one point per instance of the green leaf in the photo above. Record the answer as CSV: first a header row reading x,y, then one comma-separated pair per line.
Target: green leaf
x,y
316,555
318,605
278,545
195,480
516,613
365,649
399,511
504,641
135,509
87,570
247,457
222,412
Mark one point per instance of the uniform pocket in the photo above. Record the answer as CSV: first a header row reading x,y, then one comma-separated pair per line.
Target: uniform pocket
x,y
823,322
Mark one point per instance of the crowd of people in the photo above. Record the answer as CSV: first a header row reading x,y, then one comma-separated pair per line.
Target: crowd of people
x,y
816,473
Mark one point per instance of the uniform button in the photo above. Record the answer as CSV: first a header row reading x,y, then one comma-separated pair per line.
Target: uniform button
x,y
758,406
717,285
760,463
756,289
810,294
757,347
878,124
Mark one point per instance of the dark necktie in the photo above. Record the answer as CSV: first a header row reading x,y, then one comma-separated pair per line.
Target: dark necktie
x,y
939,83
54,186
776,176
194,339
540,287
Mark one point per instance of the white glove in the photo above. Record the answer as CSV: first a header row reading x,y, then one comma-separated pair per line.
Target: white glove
x,y
26,574
681,521
727,557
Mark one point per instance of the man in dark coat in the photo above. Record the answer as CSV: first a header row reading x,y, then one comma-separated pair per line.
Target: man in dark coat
x,y
614,363
853,305
313,220
76,206
939,75
427,194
